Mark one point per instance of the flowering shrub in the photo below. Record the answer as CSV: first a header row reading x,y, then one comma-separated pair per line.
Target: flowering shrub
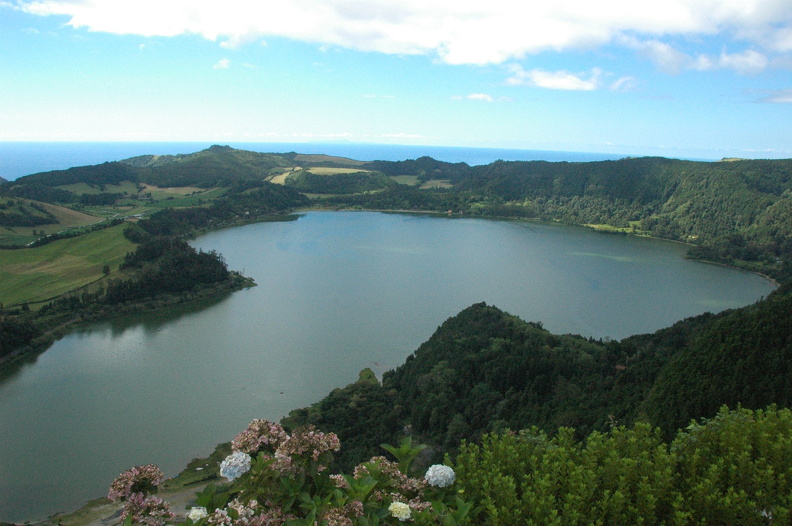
x,y
149,510
140,479
260,434
279,479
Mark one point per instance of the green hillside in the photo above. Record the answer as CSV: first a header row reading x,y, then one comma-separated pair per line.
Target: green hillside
x,y
737,213
485,371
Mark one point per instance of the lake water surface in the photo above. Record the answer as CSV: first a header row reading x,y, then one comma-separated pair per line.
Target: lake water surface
x,y
337,292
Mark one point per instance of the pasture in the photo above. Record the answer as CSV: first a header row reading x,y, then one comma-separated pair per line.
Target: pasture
x,y
328,170
37,274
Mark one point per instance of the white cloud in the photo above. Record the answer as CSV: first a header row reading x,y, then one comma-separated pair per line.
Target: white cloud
x,y
782,96
671,60
665,57
474,96
748,62
623,84
223,63
460,32
560,80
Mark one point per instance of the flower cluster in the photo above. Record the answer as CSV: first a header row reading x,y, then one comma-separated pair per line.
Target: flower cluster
x,y
343,516
283,479
308,441
147,510
400,510
235,465
260,434
250,514
381,467
197,513
440,476
140,479
270,439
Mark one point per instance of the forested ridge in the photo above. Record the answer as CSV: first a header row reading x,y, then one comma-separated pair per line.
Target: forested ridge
x,y
485,371
735,212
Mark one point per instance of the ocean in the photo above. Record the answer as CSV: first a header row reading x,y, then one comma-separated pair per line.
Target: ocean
x,y
24,158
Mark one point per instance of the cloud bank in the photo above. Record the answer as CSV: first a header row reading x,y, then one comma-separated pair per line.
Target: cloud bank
x,y
459,32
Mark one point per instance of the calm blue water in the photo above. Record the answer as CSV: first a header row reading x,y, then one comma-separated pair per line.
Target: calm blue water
x,y
25,158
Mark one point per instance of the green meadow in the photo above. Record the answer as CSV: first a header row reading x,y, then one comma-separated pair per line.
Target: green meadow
x,y
37,274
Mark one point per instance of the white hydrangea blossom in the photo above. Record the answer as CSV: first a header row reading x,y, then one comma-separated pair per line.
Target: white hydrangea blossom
x,y
235,465
197,513
440,476
400,510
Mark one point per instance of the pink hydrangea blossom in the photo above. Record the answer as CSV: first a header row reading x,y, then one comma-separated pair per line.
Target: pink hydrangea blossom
x,y
139,479
259,435
146,510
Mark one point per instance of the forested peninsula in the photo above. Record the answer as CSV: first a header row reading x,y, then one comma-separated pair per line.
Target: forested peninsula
x,y
484,375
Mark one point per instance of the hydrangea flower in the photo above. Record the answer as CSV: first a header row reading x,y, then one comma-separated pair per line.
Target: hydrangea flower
x,y
197,513
400,510
259,435
145,510
235,465
440,476
139,479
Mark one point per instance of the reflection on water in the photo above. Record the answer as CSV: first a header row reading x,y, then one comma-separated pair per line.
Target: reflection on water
x,y
337,292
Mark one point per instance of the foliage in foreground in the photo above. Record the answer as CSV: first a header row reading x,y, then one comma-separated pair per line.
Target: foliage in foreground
x,y
735,468
279,479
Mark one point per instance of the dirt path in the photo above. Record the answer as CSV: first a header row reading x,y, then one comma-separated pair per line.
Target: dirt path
x,y
105,513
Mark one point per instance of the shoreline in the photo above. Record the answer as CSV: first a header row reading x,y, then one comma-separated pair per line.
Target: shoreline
x,y
593,228
40,344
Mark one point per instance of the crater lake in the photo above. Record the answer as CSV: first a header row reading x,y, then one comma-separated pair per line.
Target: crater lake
x,y
337,292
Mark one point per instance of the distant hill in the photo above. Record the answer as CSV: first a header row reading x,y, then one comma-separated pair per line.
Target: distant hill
x,y
737,212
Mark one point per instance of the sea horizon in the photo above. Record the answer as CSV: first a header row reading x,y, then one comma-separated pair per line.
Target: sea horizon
x,y
18,159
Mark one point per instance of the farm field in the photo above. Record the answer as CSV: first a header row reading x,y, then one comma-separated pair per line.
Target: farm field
x,y
37,274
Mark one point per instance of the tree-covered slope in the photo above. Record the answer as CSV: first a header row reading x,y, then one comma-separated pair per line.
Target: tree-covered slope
x,y
485,370
743,357
737,212
339,183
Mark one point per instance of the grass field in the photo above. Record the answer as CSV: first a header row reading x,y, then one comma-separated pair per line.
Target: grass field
x,y
327,170
437,183
281,178
36,274
126,187
67,218
410,180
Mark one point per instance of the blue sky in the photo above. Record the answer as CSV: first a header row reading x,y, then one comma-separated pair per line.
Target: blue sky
x,y
694,78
